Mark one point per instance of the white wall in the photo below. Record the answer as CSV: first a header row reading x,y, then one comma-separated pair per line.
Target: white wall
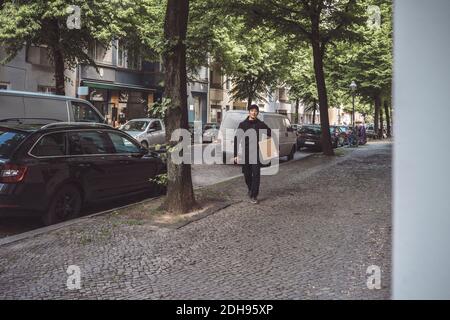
x,y
421,225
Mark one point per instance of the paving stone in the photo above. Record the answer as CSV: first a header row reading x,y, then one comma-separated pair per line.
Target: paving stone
x,y
319,224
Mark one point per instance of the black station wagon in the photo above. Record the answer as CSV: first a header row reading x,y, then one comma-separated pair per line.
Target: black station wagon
x,y
55,169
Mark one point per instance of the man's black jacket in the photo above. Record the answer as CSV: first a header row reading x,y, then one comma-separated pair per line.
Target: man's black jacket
x,y
245,125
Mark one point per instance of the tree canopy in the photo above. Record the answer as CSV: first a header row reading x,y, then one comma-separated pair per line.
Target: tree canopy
x,y
254,58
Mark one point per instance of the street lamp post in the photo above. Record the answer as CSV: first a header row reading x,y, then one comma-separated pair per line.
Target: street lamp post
x,y
353,87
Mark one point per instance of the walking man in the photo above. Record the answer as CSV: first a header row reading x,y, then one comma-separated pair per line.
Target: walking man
x,y
251,163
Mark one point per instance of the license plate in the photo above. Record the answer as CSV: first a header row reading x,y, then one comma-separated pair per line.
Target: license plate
x,y
309,142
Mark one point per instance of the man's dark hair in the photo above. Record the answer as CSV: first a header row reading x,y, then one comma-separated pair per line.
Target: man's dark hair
x,y
253,106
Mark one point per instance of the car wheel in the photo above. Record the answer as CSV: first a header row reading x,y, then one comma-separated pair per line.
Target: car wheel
x,y
65,205
144,144
291,155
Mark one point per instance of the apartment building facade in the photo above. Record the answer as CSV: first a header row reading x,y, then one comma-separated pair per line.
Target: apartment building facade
x,y
275,100
30,70
122,87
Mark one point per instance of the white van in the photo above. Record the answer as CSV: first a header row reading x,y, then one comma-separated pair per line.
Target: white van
x,y
20,104
232,118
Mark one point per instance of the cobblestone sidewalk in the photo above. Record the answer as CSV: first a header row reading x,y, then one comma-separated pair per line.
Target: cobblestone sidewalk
x,y
320,224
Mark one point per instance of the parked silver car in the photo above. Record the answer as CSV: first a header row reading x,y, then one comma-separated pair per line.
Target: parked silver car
x,y
147,131
210,132
370,131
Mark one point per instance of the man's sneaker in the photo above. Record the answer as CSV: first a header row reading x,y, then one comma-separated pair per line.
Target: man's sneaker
x,y
254,200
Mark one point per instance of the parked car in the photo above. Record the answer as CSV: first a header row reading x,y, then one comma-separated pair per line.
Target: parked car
x,y
296,126
232,118
341,133
53,170
147,131
310,137
210,132
370,131
22,105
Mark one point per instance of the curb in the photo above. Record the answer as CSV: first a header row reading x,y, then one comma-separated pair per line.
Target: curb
x,y
215,208
53,227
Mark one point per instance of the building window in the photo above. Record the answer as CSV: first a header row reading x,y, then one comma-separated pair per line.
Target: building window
x,y
46,89
100,53
38,55
121,56
128,58
134,60
5,86
216,78
282,95
197,108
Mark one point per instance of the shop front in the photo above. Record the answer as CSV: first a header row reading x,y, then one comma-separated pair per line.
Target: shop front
x,y
119,104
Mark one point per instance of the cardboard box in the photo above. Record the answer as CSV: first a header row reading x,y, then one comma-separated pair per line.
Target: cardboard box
x,y
268,149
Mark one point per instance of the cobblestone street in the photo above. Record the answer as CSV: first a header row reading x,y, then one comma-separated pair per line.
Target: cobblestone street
x,y
321,222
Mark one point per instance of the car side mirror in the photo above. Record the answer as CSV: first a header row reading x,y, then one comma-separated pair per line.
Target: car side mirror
x,y
143,151
151,130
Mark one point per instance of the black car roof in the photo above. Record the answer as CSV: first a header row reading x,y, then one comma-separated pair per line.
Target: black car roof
x,y
34,127
21,127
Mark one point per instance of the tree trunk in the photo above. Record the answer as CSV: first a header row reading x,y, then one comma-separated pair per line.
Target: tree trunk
x,y
58,58
180,194
380,133
314,113
377,99
249,102
59,72
388,118
297,103
318,53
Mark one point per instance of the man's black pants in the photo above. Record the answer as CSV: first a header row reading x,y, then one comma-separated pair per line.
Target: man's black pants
x,y
252,174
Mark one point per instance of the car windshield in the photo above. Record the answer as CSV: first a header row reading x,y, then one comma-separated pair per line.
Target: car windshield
x,y
135,125
209,126
311,130
9,140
